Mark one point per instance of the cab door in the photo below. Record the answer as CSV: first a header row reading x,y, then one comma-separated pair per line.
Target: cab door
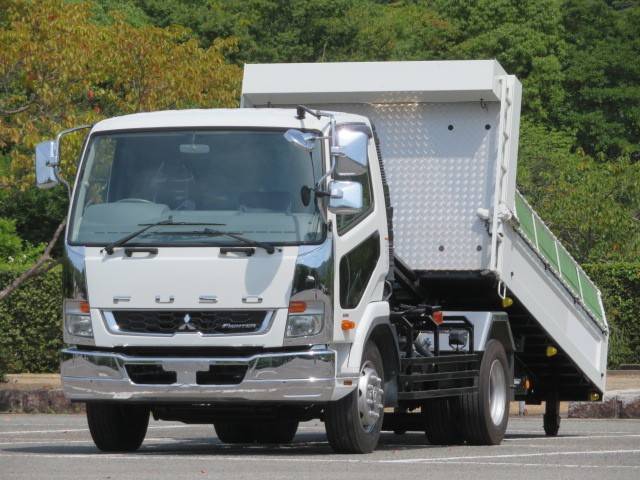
x,y
361,249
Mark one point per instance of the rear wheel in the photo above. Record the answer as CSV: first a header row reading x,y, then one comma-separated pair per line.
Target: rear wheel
x,y
551,419
442,421
353,423
117,428
485,413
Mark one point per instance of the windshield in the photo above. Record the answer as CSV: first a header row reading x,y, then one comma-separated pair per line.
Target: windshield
x,y
247,182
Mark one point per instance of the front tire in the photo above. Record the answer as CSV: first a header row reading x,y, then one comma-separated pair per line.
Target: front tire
x,y
117,428
485,413
276,432
353,423
282,431
234,432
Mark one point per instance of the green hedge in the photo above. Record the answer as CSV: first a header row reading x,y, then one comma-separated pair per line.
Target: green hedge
x,y
30,323
31,333
620,286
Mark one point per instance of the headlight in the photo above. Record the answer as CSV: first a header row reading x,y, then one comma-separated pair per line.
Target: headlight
x,y
77,319
306,319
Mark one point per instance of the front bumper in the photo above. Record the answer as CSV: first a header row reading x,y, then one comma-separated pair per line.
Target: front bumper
x,y
305,376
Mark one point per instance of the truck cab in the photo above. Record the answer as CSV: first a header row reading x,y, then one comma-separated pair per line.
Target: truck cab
x,y
254,273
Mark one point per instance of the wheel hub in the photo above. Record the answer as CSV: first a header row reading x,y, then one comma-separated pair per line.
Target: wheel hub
x,y
370,396
497,392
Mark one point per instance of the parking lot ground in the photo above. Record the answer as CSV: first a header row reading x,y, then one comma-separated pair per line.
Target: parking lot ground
x,y
59,446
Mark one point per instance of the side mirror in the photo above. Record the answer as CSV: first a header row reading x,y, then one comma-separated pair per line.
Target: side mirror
x,y
346,197
304,140
46,162
351,153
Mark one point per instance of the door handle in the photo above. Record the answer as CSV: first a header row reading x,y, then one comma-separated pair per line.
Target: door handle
x,y
168,300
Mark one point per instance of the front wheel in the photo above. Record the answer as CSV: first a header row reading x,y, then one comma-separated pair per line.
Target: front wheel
x,y
117,428
276,432
234,432
353,423
485,413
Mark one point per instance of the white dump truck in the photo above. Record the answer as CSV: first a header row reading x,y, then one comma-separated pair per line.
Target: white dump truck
x,y
349,246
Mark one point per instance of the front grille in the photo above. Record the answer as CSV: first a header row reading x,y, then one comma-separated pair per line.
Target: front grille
x,y
208,322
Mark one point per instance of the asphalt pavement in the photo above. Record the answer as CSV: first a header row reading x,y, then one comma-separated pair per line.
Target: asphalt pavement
x,y
59,446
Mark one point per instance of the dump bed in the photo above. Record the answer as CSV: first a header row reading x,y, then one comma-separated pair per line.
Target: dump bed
x,y
448,133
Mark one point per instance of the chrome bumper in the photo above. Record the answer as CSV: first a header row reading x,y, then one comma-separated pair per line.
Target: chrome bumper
x,y
307,376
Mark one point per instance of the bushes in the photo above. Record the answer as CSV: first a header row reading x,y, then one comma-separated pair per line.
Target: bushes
x,y
620,285
30,323
31,332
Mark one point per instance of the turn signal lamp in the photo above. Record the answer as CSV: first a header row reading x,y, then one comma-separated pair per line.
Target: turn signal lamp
x,y
507,302
594,396
84,307
551,351
297,307
348,325
437,317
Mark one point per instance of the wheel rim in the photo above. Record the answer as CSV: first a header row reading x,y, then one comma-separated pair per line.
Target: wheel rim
x,y
497,392
370,395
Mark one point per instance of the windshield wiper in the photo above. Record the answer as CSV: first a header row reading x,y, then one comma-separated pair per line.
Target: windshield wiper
x,y
220,233
168,221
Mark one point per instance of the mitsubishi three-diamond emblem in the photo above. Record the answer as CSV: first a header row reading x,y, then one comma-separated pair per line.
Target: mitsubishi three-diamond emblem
x,y
187,326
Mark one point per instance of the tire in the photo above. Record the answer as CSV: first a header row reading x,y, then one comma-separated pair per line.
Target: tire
x,y
442,421
551,418
117,428
485,413
258,432
276,432
349,430
234,432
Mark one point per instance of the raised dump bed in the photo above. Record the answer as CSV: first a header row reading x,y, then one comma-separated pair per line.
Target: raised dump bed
x,y
448,134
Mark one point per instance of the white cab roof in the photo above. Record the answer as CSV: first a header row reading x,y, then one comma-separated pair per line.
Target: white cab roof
x,y
212,118
371,82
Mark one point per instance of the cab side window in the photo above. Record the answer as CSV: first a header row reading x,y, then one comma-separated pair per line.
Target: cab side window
x,y
356,268
344,223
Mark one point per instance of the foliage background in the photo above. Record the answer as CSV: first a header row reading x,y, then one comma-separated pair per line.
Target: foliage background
x,y
69,62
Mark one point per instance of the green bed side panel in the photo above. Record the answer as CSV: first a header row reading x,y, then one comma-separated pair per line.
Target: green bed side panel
x,y
547,244
558,257
590,295
569,270
525,217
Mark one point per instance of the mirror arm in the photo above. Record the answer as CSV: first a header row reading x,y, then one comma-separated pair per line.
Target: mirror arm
x,y
302,109
56,166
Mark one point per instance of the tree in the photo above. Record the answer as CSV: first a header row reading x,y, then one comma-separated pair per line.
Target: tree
x,y
59,69
602,76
